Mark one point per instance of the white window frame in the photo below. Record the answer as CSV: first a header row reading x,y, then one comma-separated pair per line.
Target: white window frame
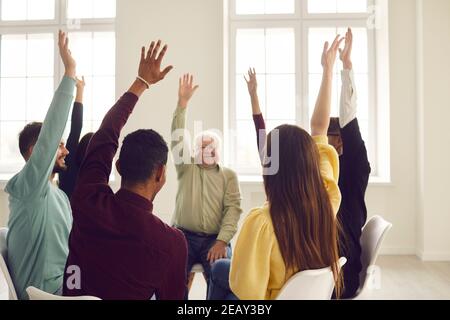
x,y
300,21
52,26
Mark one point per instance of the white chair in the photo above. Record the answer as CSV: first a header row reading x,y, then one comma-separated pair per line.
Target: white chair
x,y
7,290
310,285
197,268
372,237
36,294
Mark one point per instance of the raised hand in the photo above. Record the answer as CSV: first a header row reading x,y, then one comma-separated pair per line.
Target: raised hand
x,y
252,85
346,54
80,89
330,53
66,56
186,90
80,83
150,64
252,82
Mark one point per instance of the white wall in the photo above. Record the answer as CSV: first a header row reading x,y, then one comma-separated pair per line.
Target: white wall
x,y
434,107
194,31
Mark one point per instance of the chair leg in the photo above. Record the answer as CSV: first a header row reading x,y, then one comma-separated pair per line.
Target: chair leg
x,y
190,281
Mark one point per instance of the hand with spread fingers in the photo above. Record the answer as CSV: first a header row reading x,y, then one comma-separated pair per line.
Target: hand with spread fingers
x,y
150,64
186,90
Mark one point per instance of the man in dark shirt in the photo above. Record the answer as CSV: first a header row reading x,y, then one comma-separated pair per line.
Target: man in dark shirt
x,y
118,248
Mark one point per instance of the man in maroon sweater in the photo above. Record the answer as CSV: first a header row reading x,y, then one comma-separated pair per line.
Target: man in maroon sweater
x,y
118,248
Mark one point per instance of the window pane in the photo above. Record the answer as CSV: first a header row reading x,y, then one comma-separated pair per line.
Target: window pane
x,y
362,91
39,97
14,10
103,96
365,132
17,10
13,55
250,48
104,8
82,48
281,96
249,6
351,6
280,51
89,9
280,6
337,6
104,53
10,157
13,99
80,9
247,156
313,91
265,6
41,9
40,55
88,109
316,40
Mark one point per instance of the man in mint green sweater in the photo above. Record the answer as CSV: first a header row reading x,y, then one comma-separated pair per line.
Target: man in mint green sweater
x,y
40,215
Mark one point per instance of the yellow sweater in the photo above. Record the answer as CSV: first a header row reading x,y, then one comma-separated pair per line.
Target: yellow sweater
x,y
257,270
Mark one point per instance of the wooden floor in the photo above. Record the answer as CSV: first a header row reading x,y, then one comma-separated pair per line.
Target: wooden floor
x,y
401,278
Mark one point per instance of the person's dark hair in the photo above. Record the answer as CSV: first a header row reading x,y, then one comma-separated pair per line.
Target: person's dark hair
x,y
28,137
302,216
82,148
143,152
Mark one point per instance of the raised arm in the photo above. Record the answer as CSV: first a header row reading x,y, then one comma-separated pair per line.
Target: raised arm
x,y
329,161
97,164
348,105
77,120
258,119
320,120
355,149
67,179
186,90
35,175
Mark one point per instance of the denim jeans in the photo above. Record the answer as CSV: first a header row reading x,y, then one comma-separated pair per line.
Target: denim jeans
x,y
219,281
198,248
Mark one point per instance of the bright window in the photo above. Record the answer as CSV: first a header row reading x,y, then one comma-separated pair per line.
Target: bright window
x,y
30,68
283,41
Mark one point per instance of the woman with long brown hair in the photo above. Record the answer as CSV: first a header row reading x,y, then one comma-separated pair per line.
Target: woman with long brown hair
x,y
296,229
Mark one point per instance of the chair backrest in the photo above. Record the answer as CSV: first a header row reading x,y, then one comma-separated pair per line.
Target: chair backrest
x,y
7,290
310,285
372,237
36,294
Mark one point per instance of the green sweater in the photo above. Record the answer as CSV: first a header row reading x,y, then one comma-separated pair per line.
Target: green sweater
x,y
40,216
208,200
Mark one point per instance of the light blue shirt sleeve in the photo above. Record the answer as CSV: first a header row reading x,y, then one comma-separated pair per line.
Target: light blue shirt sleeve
x,y
33,178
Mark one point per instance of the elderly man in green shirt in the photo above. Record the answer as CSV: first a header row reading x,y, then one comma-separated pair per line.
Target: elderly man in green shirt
x,y
208,203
